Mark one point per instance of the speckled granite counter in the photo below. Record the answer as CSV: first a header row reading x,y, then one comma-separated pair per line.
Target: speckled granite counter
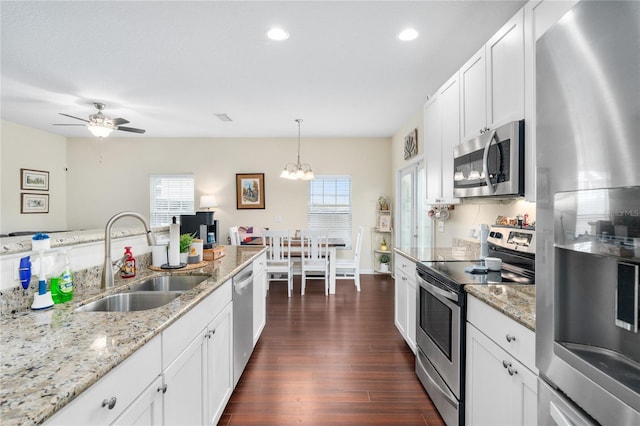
x,y
518,302
49,357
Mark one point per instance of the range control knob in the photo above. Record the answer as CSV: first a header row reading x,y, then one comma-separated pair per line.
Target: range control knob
x,y
498,235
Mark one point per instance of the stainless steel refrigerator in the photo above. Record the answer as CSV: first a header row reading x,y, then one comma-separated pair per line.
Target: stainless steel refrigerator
x,y
588,216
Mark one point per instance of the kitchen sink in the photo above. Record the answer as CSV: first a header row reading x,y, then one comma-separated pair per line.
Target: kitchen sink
x,y
127,302
179,283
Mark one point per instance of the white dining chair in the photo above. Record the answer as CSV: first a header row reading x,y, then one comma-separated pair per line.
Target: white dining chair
x,y
278,257
315,257
349,269
234,236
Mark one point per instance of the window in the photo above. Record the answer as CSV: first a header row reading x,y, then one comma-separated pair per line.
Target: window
x,y
171,195
329,206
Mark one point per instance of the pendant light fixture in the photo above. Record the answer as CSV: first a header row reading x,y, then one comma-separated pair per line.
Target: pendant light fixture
x,y
297,171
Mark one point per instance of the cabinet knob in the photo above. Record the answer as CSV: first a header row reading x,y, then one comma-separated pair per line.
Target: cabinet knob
x,y
110,403
510,338
163,388
506,364
512,371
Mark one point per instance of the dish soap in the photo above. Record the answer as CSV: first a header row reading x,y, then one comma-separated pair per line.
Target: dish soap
x,y
128,269
62,287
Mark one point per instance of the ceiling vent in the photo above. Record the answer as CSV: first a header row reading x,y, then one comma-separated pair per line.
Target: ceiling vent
x,y
223,117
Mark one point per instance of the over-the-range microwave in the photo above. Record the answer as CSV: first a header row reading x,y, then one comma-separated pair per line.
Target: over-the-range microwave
x,y
492,164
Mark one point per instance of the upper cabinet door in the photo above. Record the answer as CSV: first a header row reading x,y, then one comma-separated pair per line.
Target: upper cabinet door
x,y
449,98
505,73
473,96
433,147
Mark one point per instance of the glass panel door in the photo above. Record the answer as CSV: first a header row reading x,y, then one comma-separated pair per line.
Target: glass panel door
x,y
414,228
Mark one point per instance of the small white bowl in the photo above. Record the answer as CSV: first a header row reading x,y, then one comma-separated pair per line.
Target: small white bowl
x,y
493,263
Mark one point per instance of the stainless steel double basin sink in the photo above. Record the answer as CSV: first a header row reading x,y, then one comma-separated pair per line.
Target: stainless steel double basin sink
x,y
148,294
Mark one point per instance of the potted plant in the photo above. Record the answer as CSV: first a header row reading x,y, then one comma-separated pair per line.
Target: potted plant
x,y
383,203
185,243
384,262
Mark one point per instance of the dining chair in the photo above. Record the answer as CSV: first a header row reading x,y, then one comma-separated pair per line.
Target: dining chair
x,y
234,236
347,269
315,257
278,256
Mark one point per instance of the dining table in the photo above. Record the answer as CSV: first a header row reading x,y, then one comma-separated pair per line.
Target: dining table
x,y
296,250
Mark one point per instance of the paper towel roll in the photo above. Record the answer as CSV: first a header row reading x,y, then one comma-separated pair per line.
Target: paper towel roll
x,y
174,244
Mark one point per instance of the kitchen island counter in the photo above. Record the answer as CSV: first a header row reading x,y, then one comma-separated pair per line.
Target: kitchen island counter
x,y
518,302
49,357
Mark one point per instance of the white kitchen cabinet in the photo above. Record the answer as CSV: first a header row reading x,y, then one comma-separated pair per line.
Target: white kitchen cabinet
x,y
499,367
539,16
492,81
405,299
146,409
441,135
108,398
259,296
218,365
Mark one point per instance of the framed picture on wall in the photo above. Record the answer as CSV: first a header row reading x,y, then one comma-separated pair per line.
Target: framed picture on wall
x,y
250,190
411,144
34,203
34,180
384,222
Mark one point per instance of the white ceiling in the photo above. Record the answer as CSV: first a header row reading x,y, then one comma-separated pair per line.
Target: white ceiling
x,y
170,66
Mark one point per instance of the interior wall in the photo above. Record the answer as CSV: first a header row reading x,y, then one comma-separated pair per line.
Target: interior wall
x,y
28,148
112,175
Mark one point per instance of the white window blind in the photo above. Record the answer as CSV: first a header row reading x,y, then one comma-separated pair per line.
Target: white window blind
x,y
171,195
329,206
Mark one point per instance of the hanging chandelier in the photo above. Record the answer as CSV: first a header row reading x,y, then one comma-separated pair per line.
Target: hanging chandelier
x,y
298,171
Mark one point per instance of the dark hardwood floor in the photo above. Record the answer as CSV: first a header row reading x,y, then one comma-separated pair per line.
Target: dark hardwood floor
x,y
331,360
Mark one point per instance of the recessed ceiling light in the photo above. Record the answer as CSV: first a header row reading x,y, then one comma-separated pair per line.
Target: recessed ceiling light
x,y
277,34
408,35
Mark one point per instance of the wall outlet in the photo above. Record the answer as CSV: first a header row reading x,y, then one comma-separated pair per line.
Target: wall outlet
x,y
440,226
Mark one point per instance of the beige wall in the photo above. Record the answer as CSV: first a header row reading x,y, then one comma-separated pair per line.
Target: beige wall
x,y
24,147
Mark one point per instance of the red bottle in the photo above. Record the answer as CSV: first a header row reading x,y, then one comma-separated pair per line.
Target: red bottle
x,y
128,269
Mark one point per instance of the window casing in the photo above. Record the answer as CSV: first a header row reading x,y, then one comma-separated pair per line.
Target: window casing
x,y
171,195
329,206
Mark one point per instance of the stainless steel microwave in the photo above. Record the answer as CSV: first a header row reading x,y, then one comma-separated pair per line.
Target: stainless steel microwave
x,y
492,164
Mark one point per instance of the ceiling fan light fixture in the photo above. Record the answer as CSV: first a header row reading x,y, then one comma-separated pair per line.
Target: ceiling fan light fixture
x,y
408,34
277,34
99,131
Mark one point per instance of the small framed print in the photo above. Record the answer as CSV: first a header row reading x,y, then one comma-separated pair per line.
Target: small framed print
x,y
34,203
249,191
384,222
34,180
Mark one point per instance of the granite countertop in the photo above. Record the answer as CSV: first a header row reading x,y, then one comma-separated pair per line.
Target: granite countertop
x,y
518,302
49,357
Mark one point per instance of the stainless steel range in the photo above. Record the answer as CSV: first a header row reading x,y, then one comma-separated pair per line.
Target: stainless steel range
x,y
441,313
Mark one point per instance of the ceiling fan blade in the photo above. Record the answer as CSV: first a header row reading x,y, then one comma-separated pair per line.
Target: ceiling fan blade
x,y
77,118
60,124
119,121
130,129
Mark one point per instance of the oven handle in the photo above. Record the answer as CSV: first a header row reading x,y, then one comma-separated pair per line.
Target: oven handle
x,y
437,290
485,161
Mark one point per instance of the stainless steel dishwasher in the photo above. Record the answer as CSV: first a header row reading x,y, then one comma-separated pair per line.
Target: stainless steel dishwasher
x,y
242,321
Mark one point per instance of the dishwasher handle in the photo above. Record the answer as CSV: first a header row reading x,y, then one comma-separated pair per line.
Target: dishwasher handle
x,y
243,279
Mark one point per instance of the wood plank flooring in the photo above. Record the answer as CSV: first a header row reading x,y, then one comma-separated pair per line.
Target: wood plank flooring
x,y
331,360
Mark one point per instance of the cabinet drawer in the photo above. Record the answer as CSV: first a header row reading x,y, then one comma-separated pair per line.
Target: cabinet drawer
x,y
124,383
182,332
404,265
514,338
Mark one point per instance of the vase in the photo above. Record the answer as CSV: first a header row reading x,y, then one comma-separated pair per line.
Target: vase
x,y
184,257
384,267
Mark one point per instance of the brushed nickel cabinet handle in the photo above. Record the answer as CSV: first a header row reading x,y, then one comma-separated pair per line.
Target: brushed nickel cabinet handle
x,y
110,403
510,338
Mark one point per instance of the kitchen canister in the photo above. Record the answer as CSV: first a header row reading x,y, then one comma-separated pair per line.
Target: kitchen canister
x,y
196,249
159,254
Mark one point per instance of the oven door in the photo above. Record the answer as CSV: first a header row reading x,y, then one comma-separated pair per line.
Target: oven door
x,y
438,333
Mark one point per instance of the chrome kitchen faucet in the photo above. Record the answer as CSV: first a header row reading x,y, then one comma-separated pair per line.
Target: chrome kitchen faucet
x,y
107,269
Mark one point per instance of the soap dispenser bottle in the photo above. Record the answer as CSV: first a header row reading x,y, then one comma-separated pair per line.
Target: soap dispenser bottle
x,y
128,269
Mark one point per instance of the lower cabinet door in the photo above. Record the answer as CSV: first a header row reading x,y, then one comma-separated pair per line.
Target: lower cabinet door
x,y
219,365
401,303
146,409
184,379
499,389
411,314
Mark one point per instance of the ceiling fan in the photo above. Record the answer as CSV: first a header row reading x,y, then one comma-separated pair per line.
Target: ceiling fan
x,y
100,125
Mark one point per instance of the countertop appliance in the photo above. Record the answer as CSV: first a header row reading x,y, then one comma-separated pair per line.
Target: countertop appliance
x,y
588,216
242,320
441,313
491,164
